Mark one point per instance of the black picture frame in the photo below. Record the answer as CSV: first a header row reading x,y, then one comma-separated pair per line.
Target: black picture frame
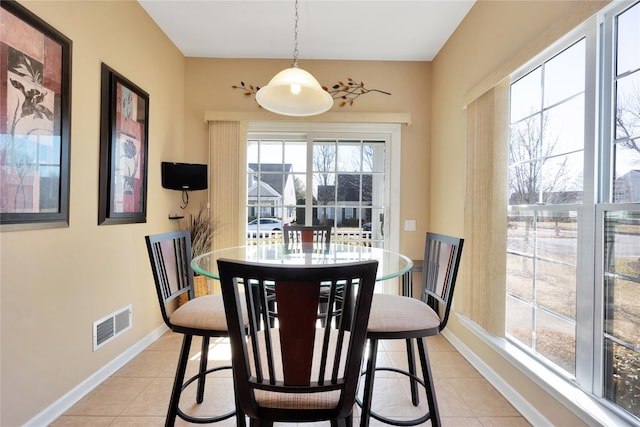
x,y
124,133
35,139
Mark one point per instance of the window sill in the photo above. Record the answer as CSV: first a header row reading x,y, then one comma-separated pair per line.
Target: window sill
x,y
591,410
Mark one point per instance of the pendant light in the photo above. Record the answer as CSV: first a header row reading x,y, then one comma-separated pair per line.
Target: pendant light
x,y
294,91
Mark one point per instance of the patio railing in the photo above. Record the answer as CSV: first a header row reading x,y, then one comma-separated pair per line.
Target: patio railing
x,y
345,237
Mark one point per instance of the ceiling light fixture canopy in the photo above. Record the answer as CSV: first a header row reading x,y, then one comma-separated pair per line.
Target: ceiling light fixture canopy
x,y
294,91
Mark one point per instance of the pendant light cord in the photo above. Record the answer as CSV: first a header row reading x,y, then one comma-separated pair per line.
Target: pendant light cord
x,y
295,39
294,91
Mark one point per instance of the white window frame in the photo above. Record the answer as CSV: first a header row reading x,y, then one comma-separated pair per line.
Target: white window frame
x,y
585,351
585,392
389,132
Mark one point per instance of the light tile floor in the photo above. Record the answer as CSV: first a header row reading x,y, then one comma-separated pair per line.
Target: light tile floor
x,y
138,394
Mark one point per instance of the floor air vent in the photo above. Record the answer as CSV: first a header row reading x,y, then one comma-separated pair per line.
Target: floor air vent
x,y
110,326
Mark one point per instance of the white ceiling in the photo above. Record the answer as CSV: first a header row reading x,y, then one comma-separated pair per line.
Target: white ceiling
x,y
382,30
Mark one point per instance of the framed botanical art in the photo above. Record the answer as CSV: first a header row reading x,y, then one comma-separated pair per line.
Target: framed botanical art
x,y
124,130
35,121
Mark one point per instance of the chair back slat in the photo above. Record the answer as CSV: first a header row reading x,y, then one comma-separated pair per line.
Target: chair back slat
x,y
170,255
326,339
442,256
344,323
161,269
297,307
254,298
300,353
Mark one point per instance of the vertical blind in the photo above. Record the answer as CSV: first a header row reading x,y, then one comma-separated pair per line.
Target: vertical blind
x,y
485,217
227,145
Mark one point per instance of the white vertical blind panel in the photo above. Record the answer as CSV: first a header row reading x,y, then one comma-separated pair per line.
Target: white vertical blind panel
x,y
228,182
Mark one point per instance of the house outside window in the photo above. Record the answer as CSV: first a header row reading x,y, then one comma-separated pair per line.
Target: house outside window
x,y
574,197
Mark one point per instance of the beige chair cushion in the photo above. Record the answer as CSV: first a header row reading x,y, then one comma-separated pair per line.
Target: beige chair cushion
x,y
393,313
319,400
323,400
205,312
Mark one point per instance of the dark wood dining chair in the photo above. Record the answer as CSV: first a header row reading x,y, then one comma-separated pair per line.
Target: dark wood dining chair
x,y
395,317
297,371
170,257
316,237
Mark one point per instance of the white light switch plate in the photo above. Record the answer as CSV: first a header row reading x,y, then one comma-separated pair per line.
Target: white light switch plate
x,y
409,225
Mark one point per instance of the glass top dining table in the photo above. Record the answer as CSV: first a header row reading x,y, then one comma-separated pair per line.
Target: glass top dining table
x,y
390,264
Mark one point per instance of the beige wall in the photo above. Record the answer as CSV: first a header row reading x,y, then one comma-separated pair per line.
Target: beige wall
x,y
493,40
208,88
55,283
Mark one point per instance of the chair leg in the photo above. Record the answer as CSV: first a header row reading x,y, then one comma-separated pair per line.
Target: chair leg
x,y
204,355
253,422
407,284
368,383
271,309
341,422
178,381
339,308
271,306
323,309
428,383
411,361
240,419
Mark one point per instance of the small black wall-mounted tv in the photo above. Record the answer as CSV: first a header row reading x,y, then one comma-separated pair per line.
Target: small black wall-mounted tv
x,y
184,176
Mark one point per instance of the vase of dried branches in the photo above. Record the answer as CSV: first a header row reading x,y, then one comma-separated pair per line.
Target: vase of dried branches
x,y
201,232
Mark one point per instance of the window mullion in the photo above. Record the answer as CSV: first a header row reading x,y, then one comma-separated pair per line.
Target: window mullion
x,y
308,203
587,320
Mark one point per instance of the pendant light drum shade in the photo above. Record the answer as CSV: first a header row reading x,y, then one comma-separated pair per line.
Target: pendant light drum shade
x,y
294,92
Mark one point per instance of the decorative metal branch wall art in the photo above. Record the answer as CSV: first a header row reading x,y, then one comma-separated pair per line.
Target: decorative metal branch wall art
x,y
347,92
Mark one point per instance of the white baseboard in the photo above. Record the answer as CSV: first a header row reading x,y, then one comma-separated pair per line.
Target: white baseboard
x,y
59,407
529,412
591,410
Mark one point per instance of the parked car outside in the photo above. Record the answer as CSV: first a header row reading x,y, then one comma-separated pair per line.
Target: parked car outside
x,y
264,225
366,226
